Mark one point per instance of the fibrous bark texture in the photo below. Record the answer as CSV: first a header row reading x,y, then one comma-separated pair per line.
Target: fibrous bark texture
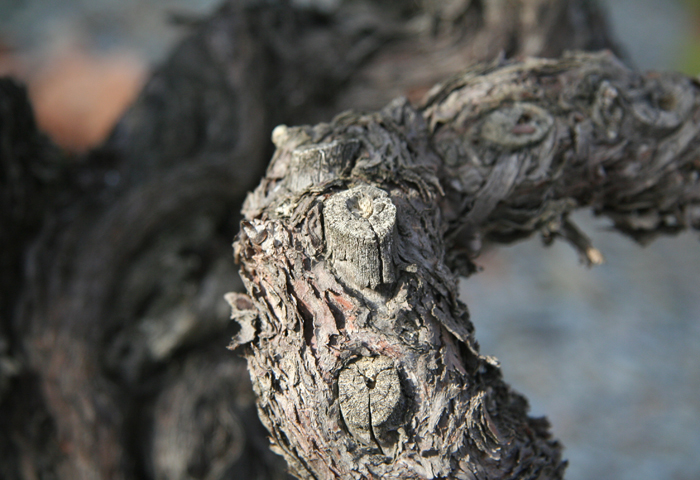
x,y
500,152
114,264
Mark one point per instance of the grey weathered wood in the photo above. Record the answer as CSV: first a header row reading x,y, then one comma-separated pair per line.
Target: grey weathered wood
x,y
371,401
359,232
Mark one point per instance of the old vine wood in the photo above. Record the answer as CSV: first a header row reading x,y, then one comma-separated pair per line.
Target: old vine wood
x,y
114,263
362,357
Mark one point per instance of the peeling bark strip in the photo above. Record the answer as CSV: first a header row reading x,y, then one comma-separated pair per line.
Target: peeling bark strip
x,y
499,153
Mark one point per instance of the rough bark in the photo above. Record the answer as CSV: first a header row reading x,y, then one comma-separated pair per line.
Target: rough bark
x,y
362,357
113,264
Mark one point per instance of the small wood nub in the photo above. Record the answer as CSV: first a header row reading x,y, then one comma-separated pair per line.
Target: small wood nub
x,y
359,230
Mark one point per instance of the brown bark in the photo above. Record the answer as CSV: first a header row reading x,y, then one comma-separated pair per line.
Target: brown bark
x,y
113,265
362,357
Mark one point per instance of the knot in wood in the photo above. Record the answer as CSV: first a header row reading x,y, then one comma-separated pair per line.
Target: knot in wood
x,y
371,400
517,125
359,229
663,104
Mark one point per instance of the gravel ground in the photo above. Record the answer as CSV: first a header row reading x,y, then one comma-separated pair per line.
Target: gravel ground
x,y
611,355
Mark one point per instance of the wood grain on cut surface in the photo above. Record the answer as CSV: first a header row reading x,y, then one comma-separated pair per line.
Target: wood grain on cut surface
x,y
371,401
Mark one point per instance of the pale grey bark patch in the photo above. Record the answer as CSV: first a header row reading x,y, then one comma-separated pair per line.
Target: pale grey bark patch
x,y
244,313
360,226
516,126
607,111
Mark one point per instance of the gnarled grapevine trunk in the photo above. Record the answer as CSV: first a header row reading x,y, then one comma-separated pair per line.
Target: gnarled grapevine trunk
x,y
113,265
362,357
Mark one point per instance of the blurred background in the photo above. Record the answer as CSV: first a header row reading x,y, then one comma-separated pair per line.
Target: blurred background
x,y
611,354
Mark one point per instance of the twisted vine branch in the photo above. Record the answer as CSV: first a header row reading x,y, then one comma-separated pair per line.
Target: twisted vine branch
x,y
362,357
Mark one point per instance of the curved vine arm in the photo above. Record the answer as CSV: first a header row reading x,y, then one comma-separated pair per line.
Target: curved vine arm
x,y
362,357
